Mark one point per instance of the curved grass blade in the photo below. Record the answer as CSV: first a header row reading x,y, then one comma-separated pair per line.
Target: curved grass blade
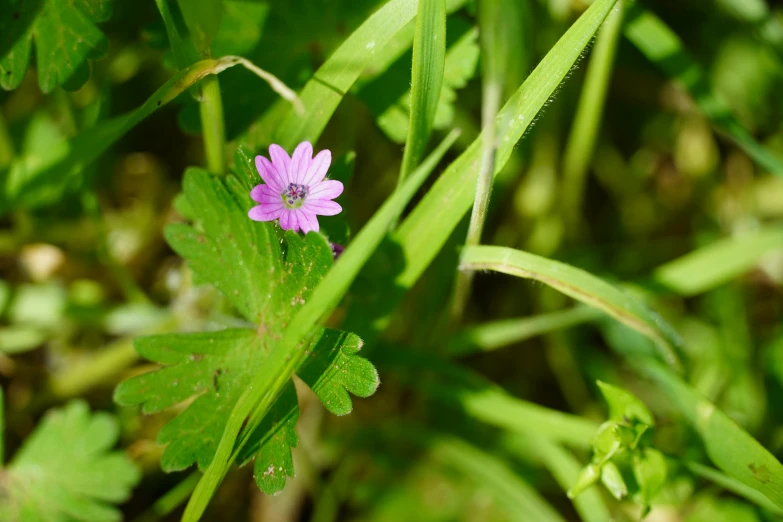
x,y
718,263
429,225
259,397
46,184
324,92
587,121
483,400
730,447
580,285
663,48
429,59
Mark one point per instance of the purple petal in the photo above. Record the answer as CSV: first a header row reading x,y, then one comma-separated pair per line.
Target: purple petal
x,y
300,162
265,212
281,161
329,189
265,194
269,173
288,220
322,207
318,167
307,221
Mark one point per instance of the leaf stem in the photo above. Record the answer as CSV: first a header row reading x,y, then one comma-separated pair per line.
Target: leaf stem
x,y
213,125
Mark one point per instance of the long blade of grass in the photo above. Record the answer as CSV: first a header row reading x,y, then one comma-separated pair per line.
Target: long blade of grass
x,y
730,447
580,285
492,335
718,263
283,361
324,92
565,468
584,132
86,147
663,48
424,232
517,496
496,56
733,485
482,399
429,58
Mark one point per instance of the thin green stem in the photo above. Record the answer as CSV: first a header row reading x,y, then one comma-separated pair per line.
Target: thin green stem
x,y
213,125
6,145
170,501
489,110
581,141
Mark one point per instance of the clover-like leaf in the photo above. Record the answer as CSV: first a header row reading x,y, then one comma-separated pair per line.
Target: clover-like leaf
x,y
266,278
66,471
65,35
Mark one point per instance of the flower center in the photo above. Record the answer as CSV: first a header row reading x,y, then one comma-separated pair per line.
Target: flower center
x,y
294,195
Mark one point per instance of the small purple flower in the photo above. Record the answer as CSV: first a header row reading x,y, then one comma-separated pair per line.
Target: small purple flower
x,y
295,190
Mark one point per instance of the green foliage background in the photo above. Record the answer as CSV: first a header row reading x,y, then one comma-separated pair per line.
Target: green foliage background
x,y
612,349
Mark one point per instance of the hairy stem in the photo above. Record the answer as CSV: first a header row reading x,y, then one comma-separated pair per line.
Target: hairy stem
x,y
213,126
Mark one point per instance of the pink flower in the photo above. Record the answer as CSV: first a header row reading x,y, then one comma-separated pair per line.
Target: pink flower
x,y
295,190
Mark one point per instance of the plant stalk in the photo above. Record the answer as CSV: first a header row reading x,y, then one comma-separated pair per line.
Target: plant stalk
x,y
213,125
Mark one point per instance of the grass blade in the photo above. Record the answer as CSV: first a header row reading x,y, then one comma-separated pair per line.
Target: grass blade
x,y
733,485
587,121
718,263
565,468
283,361
580,285
86,147
663,48
424,232
495,51
492,335
429,58
481,399
324,92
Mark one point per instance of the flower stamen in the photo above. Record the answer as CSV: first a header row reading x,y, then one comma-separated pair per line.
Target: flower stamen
x,y
294,195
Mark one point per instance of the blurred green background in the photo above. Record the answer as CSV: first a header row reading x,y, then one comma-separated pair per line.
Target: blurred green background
x,y
84,267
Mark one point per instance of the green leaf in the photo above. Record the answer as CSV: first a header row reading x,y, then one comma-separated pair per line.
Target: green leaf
x,y
427,228
240,27
429,56
244,260
285,359
664,49
613,480
203,20
649,469
65,35
624,406
580,285
65,470
719,262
